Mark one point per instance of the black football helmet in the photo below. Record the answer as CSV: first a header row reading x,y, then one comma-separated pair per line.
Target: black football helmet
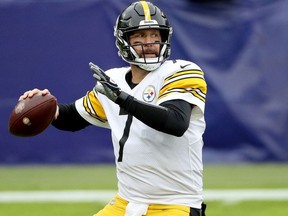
x,y
142,15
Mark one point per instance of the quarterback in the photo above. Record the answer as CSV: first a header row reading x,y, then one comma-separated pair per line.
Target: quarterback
x,y
155,110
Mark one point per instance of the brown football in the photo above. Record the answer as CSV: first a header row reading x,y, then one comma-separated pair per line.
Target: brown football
x,y
32,116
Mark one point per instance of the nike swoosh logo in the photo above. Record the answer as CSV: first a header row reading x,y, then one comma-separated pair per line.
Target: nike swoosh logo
x,y
183,66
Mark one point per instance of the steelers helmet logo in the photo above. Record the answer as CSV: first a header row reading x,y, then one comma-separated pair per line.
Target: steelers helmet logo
x,y
149,93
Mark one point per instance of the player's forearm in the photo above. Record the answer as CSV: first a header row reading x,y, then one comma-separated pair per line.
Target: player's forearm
x,y
69,119
163,118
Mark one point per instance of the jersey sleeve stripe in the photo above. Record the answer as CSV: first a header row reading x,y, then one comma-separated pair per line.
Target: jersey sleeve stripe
x,y
186,72
195,92
93,107
190,81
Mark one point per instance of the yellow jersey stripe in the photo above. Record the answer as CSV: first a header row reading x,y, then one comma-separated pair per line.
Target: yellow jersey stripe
x,y
146,10
85,105
190,81
93,107
195,92
185,82
180,73
197,73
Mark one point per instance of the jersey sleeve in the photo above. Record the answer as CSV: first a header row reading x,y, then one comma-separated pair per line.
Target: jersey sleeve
x,y
90,108
188,85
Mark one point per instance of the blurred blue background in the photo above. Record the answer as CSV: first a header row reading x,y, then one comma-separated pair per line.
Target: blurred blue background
x,y
240,44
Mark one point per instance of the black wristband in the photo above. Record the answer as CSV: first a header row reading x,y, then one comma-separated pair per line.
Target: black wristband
x,y
122,97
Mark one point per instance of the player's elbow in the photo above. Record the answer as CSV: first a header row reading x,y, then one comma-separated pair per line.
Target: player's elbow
x,y
178,129
180,132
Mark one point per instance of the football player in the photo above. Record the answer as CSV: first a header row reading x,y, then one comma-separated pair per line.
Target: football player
x,y
155,110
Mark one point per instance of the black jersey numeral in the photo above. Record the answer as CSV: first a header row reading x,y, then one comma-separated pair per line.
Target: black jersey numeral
x,y
124,137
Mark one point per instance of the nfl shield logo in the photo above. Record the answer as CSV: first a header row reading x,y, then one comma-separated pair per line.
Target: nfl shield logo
x,y
149,94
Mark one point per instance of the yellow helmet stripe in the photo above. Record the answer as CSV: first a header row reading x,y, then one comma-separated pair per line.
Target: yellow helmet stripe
x,y
146,10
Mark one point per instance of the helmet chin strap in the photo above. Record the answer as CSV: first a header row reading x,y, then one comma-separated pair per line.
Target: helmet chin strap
x,y
148,64
149,67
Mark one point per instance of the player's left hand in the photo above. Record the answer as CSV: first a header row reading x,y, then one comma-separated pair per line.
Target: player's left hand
x,y
108,88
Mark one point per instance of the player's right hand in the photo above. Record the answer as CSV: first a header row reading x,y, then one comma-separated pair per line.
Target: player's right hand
x,y
31,93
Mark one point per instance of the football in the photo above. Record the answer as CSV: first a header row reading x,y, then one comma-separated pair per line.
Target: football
x,y
32,116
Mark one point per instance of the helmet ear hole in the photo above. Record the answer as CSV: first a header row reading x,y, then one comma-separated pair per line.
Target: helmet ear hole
x,y
134,18
164,35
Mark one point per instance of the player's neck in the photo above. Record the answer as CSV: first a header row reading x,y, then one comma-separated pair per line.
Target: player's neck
x,y
138,74
128,78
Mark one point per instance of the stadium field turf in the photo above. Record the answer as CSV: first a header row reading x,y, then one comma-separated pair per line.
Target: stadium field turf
x,y
102,177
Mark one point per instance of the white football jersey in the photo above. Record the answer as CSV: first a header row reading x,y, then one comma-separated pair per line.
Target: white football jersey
x,y
152,166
